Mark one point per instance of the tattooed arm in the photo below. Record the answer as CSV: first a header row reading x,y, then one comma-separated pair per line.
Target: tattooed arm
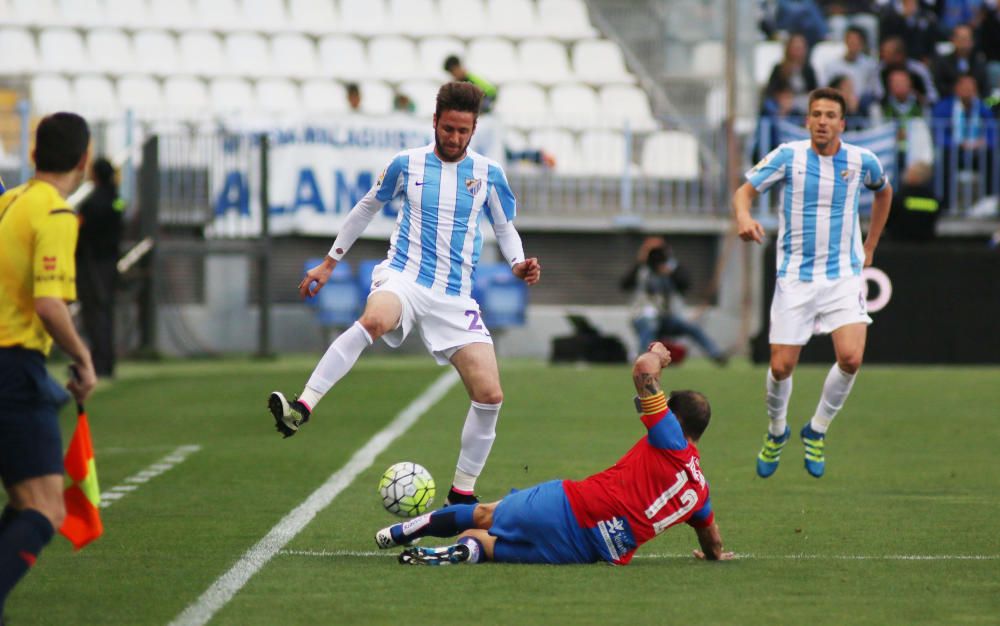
x,y
646,371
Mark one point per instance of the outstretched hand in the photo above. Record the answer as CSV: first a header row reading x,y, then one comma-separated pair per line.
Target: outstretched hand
x,y
725,556
317,277
528,270
660,351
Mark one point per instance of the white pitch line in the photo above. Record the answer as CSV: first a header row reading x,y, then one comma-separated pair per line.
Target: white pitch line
x,y
783,557
228,585
165,464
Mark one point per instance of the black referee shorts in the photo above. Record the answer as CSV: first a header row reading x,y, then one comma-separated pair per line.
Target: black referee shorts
x,y
30,442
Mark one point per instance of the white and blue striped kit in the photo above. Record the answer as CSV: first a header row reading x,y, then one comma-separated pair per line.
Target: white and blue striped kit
x,y
819,235
437,239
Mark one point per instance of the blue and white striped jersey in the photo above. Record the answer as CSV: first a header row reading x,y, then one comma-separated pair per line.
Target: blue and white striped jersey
x,y
437,240
819,234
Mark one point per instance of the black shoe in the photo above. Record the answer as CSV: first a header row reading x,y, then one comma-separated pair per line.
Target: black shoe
x,y
287,417
448,555
460,498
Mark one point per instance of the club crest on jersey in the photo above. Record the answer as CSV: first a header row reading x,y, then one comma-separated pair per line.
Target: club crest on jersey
x,y
473,185
846,175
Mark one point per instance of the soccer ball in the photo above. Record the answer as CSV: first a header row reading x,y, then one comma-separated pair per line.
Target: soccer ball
x,y
407,489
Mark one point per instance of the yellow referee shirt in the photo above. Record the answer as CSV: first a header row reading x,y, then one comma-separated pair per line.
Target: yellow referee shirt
x,y
38,234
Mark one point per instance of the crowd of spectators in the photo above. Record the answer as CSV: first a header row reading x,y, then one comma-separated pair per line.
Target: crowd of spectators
x,y
936,74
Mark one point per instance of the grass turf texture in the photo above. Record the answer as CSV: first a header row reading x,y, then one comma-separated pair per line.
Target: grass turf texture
x,y
911,472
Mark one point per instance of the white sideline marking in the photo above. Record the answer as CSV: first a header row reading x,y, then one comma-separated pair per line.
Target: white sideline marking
x,y
747,556
228,585
166,463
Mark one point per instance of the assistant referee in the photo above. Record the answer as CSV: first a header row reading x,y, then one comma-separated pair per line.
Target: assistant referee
x,y
38,233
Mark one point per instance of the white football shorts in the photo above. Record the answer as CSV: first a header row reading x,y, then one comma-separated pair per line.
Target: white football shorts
x,y
802,309
446,323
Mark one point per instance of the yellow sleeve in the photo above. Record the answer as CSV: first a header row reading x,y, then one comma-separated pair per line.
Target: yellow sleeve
x,y
55,250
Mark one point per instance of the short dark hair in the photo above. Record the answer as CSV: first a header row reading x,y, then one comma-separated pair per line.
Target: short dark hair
x,y
104,172
353,88
828,93
61,140
838,80
692,410
860,32
451,62
459,96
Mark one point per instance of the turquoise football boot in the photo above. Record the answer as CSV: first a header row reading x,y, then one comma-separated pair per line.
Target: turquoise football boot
x,y
770,453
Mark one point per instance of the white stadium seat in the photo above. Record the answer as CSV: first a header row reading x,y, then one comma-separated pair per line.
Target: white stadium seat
x,y
599,61
423,95
110,51
565,19
342,56
323,96
230,95
202,54
277,95
267,16
376,97
621,103
79,13
294,56
560,144
313,16
574,106
511,18
31,13
515,140
432,53
392,58
544,61
492,58
61,50
523,105
822,53
50,94
222,15
363,17
127,14
156,53
766,54
17,49
670,154
462,18
185,97
176,14
708,59
95,97
602,153
248,54
416,18
140,94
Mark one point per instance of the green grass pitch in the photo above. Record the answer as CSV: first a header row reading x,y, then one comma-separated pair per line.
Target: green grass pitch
x,y
912,484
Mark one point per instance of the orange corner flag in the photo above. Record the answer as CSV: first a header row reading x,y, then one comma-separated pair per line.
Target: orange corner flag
x,y
82,496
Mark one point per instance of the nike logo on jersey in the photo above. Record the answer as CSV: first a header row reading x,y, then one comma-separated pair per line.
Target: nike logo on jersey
x,y
419,182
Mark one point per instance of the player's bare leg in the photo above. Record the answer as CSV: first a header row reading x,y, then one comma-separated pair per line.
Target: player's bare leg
x,y
476,363
849,346
784,358
381,315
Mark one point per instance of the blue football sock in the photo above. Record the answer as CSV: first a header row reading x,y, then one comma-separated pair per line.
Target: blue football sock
x,y
21,541
446,522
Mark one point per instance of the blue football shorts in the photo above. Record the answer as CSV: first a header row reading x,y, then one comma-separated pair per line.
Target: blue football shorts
x,y
30,442
537,525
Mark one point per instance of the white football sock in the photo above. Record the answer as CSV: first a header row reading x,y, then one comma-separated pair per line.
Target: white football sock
x,y
836,388
338,360
477,440
778,394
